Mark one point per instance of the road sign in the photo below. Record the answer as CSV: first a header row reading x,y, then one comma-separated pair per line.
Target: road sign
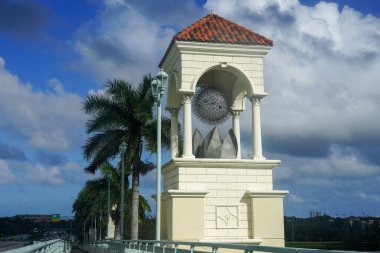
x,y
56,218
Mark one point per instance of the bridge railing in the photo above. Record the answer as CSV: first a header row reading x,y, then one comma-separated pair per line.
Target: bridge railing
x,y
151,246
52,246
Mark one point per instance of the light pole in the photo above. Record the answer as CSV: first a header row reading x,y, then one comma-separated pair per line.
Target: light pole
x,y
158,90
84,230
293,228
122,150
108,205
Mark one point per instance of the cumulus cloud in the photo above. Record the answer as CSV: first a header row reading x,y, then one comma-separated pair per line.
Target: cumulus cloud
x,y
296,199
47,173
329,183
47,120
125,41
6,176
39,173
340,164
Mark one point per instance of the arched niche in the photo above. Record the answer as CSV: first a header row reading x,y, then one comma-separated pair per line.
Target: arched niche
x,y
173,99
234,83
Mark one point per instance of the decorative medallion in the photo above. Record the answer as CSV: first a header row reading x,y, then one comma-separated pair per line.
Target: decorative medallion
x,y
211,106
227,217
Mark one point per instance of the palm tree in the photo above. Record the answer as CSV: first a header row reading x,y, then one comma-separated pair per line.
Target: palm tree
x,y
124,113
92,199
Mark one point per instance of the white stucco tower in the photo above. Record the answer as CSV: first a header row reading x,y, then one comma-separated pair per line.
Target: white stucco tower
x,y
218,199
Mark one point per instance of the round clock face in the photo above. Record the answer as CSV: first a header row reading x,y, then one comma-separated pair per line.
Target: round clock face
x,y
210,106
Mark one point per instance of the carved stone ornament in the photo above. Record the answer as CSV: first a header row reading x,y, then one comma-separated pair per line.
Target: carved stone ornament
x,y
173,111
235,114
227,217
186,99
255,100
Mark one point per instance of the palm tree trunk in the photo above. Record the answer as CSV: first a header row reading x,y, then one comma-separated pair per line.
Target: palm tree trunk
x,y
135,205
117,231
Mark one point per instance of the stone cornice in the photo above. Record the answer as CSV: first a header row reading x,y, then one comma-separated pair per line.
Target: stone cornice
x,y
184,194
223,49
268,194
210,48
219,163
229,241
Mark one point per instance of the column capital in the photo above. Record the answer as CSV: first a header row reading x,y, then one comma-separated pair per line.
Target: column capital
x,y
235,113
172,110
255,100
186,98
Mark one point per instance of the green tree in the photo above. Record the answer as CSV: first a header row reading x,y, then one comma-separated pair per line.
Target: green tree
x,y
92,199
124,113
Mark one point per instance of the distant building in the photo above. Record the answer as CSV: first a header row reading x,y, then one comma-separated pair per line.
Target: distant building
x,y
315,214
34,217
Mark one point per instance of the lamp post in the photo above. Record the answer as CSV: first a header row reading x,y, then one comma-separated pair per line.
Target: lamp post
x,y
108,205
84,230
122,150
158,90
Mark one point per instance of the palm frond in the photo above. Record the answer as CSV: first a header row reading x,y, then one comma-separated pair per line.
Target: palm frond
x,y
143,167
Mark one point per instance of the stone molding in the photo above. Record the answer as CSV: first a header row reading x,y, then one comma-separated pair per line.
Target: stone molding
x,y
184,194
173,110
250,241
219,163
268,194
255,100
225,49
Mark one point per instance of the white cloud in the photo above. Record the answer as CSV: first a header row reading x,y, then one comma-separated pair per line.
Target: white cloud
x,y
370,197
294,198
121,43
341,164
128,38
45,119
39,173
6,176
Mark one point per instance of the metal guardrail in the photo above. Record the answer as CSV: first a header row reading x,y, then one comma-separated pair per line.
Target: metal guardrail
x,y
52,246
142,246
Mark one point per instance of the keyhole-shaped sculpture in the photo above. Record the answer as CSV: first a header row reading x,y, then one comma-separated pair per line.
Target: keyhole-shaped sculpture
x,y
214,66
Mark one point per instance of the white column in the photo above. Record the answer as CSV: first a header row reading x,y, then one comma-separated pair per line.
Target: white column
x,y
236,128
174,132
256,129
187,132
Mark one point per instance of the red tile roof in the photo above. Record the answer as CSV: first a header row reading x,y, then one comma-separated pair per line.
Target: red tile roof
x,y
215,29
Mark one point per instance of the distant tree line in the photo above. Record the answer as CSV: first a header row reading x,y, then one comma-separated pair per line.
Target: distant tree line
x,y
10,226
359,233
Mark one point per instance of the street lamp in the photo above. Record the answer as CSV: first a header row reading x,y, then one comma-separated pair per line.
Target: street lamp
x,y
122,150
158,89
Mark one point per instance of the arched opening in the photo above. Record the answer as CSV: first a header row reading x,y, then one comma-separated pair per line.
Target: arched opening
x,y
220,92
173,99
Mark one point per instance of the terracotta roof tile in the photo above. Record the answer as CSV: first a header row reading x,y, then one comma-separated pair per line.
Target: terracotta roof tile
x,y
215,29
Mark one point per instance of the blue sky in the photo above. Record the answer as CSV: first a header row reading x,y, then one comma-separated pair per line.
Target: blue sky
x,y
320,117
